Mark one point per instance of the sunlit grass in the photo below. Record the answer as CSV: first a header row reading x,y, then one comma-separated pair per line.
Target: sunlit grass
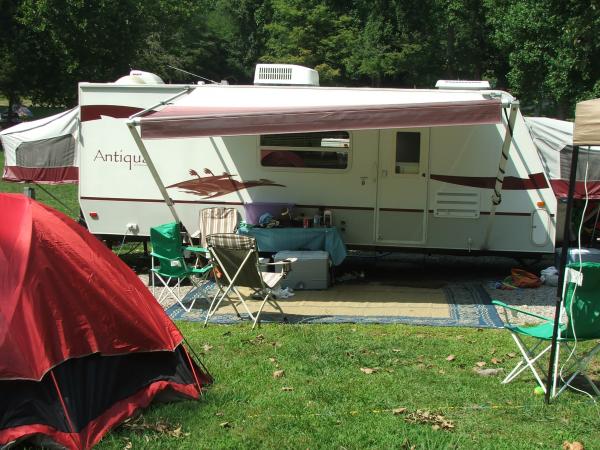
x,y
324,400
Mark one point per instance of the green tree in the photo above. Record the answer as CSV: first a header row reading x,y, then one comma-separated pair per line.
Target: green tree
x,y
82,41
553,50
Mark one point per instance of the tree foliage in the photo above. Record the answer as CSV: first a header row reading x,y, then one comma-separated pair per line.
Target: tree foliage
x,y
546,52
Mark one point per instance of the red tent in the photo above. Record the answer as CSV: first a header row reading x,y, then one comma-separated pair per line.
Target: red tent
x,y
83,343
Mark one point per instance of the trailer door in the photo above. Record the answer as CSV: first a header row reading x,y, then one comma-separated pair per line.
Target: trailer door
x,y
402,186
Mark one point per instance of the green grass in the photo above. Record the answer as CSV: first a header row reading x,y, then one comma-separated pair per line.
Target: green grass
x,y
333,404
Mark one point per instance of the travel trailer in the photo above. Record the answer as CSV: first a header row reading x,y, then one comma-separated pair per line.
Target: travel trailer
x,y
450,169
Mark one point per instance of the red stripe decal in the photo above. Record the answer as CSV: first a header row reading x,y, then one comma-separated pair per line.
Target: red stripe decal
x,y
535,181
95,112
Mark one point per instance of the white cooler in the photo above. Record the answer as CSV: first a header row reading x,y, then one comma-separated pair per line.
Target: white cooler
x,y
310,271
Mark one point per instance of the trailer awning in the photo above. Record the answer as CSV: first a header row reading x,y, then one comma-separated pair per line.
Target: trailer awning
x,y
182,119
587,123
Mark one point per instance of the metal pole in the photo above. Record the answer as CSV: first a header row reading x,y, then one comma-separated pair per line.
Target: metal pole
x,y
497,194
562,269
144,151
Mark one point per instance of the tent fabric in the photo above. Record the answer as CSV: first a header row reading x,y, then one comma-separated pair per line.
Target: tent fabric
x,y
554,142
43,151
587,123
255,110
83,343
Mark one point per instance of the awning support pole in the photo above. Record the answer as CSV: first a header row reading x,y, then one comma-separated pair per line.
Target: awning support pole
x,y
561,272
144,151
497,194
131,124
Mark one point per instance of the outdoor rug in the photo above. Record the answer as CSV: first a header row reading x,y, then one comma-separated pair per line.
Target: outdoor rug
x,y
464,304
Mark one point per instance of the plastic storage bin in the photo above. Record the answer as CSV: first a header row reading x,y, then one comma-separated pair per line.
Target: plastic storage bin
x,y
310,271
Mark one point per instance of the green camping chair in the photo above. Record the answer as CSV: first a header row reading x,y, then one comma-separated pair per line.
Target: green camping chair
x,y
168,262
581,309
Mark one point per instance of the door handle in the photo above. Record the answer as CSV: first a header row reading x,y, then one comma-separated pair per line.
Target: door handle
x,y
363,180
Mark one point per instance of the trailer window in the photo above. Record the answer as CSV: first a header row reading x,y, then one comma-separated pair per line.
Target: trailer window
x,y
321,150
408,151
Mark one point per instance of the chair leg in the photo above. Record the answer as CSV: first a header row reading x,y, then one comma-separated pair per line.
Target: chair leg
x,y
527,361
579,367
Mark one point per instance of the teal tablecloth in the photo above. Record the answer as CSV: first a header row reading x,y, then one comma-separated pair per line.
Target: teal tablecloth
x,y
278,239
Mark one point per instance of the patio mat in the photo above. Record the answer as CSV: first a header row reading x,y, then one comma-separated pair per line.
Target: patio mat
x,y
466,305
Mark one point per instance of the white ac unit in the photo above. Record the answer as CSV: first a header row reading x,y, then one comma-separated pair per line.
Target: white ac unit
x,y
463,84
285,74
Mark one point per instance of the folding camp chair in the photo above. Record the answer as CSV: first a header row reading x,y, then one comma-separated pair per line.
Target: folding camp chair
x,y
581,308
212,221
236,259
168,262
215,220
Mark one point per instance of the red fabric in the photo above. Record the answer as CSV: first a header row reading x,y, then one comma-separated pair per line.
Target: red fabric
x,y
95,430
561,189
194,121
64,294
41,175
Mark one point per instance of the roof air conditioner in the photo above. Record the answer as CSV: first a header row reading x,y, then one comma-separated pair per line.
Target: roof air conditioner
x,y
285,74
463,85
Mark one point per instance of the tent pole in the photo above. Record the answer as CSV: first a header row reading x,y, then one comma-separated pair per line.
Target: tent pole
x,y
562,269
497,194
131,124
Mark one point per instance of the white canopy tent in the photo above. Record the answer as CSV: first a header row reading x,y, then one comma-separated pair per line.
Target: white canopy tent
x,y
43,151
554,141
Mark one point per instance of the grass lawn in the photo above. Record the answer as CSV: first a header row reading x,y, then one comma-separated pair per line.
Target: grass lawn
x,y
325,400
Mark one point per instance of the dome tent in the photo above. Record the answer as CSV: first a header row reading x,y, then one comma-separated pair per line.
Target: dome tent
x,y
83,343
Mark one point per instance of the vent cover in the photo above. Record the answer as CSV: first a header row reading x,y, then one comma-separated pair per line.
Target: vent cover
x,y
285,74
462,205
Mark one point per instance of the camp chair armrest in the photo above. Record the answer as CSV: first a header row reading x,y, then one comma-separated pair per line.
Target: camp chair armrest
x,y
285,264
520,311
158,255
196,249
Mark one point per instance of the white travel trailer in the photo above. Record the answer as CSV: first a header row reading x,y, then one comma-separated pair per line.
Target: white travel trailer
x,y
450,169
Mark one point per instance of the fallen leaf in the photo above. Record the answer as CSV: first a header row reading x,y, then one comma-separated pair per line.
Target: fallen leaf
x,y
572,445
225,425
450,357
437,421
492,351
219,414
496,361
287,389
511,354
207,347
369,370
398,411
128,445
480,363
278,373
396,350
441,372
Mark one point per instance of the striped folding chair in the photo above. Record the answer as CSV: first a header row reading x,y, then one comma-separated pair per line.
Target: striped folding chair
x,y
236,259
